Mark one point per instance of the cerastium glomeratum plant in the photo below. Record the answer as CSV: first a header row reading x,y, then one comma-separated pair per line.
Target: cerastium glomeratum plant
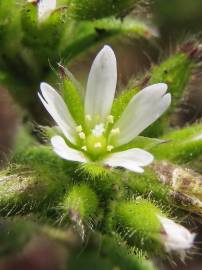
x,y
111,176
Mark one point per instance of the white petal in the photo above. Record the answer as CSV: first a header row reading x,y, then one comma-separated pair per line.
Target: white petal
x,y
144,108
66,152
101,84
45,7
177,237
55,105
132,159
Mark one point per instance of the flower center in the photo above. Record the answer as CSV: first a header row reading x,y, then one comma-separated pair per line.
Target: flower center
x,y
96,145
94,140
98,130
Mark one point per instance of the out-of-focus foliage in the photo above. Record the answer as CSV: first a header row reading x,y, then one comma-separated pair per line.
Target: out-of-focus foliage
x,y
178,18
30,49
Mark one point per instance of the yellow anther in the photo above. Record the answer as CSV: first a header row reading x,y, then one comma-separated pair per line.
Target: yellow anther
x,y
88,117
82,135
109,148
79,128
84,148
115,131
98,145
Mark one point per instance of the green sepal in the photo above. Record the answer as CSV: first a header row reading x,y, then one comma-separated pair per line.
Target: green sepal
x,y
80,202
73,100
121,102
138,224
107,182
94,170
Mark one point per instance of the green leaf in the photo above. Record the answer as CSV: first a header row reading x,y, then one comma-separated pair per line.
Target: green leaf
x,y
176,72
183,145
88,33
128,26
141,142
96,9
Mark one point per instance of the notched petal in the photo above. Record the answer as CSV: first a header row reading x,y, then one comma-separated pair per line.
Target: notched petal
x,y
56,107
144,109
132,159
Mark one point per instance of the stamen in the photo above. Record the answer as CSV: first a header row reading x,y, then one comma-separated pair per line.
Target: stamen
x,y
115,131
98,130
82,135
109,148
110,119
79,128
84,148
98,145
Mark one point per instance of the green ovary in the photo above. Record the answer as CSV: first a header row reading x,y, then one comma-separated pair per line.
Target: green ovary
x,y
95,141
96,146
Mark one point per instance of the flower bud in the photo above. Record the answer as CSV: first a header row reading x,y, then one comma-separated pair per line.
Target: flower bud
x,y
143,224
175,237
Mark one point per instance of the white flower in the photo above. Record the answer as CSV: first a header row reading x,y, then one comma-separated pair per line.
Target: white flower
x,y
175,236
45,8
101,135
